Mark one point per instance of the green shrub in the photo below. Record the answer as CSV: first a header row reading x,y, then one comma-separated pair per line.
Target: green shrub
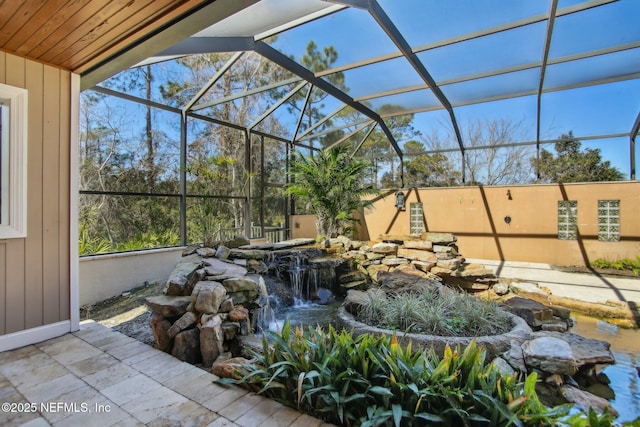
x,y
623,264
448,314
369,381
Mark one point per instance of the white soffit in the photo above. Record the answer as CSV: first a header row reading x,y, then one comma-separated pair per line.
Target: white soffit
x,y
269,17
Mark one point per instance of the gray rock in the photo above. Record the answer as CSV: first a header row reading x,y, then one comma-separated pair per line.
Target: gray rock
x,y
514,356
550,355
528,288
505,369
222,252
206,252
585,400
168,306
501,288
183,277
534,312
219,270
237,241
585,351
247,254
208,296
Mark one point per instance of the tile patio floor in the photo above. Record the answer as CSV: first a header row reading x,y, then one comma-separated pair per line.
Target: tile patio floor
x,y
99,377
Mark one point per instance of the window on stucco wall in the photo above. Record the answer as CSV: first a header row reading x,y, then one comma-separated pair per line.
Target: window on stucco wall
x,y
609,220
567,220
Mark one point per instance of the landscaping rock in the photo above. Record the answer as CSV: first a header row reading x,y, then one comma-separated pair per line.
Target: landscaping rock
x,y
256,254
443,238
184,277
501,288
585,400
586,352
187,320
418,255
230,368
186,346
208,296
385,248
218,270
238,313
222,252
211,340
423,245
168,306
237,241
534,312
206,252
550,355
160,327
503,367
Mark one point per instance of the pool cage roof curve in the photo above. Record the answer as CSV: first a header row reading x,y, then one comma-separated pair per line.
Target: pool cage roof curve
x,y
427,57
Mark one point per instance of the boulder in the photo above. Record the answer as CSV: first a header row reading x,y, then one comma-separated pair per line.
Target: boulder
x,y
241,290
236,242
208,296
184,277
534,312
211,340
528,289
186,346
501,287
418,255
168,306
374,270
218,270
160,327
352,276
256,254
230,368
187,320
384,248
238,313
503,367
206,252
423,245
585,400
586,351
222,252
549,354
442,238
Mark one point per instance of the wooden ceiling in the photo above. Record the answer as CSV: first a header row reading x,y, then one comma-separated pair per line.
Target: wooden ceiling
x,y
79,35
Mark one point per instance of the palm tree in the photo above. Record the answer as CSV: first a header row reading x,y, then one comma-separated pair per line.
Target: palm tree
x,y
331,183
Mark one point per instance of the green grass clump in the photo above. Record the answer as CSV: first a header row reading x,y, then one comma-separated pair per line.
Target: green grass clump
x,y
622,264
435,313
373,381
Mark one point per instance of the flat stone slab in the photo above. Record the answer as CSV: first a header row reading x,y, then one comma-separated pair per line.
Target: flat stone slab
x,y
169,306
586,351
285,244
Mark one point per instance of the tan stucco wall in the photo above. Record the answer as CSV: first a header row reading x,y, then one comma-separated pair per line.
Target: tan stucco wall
x,y
476,216
35,271
303,226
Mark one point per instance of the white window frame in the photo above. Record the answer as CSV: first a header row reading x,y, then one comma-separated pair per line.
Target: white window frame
x,y
14,192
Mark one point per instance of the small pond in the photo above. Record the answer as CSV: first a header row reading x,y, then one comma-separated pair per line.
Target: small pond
x,y
625,379
624,391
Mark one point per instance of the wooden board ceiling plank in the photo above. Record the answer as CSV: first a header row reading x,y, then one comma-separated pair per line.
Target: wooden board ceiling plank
x,y
99,22
124,23
7,10
22,13
76,24
91,58
61,18
32,31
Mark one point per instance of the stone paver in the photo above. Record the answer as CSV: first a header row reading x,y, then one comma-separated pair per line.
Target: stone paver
x,y
99,377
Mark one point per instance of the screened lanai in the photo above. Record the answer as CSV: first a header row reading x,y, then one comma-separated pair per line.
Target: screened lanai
x,y
196,140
